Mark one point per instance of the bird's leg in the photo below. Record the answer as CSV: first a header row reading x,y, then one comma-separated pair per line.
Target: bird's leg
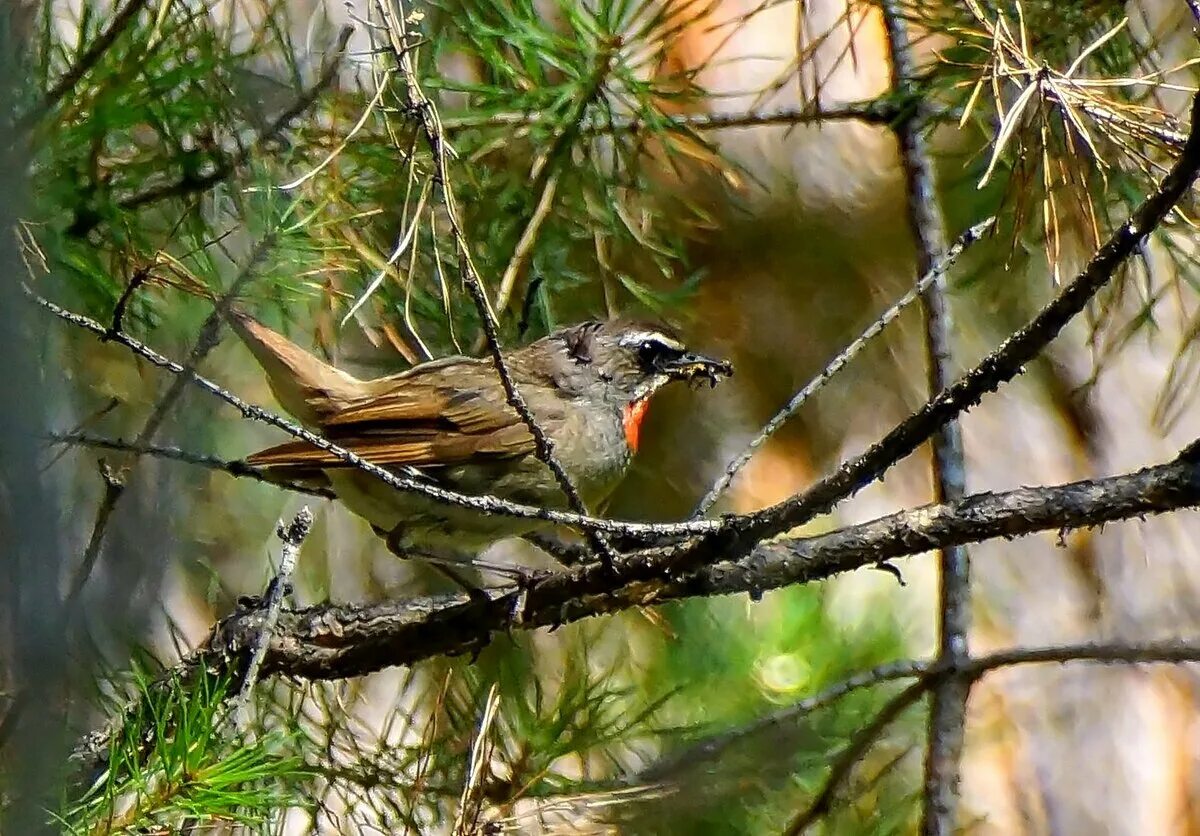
x,y
395,544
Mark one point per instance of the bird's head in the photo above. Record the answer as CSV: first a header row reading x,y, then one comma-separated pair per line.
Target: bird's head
x,y
634,360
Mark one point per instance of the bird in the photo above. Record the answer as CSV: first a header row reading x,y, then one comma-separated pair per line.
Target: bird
x,y
448,421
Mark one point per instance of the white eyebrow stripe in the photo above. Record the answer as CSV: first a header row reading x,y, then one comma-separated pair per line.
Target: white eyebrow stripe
x,y
638,337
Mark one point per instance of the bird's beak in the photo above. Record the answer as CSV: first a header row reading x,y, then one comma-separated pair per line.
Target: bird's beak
x,y
696,367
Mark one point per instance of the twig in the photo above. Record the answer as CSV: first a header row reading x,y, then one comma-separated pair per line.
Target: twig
x,y
434,137
839,362
545,175
478,766
114,486
292,536
139,278
880,111
860,742
975,668
712,748
523,251
970,670
947,717
80,68
206,341
236,468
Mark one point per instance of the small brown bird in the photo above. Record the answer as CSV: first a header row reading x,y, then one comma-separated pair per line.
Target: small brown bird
x,y
448,421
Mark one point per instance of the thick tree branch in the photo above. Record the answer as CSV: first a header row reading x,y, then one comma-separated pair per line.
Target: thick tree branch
x,y
335,642
341,641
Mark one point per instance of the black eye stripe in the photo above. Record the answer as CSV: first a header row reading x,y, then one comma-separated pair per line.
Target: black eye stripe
x,y
654,352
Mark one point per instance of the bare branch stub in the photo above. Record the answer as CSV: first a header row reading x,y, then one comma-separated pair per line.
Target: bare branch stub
x,y
292,537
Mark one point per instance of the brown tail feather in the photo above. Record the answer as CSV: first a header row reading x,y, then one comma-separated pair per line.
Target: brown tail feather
x,y
304,385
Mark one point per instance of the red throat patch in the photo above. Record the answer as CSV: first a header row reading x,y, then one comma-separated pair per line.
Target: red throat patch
x,y
631,419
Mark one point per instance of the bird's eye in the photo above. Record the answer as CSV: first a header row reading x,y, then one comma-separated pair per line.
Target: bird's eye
x,y
654,353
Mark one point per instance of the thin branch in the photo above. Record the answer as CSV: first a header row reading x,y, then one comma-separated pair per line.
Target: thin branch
x,y
435,138
947,720
859,744
970,670
839,362
714,747
114,487
880,111
1000,366
292,536
81,67
546,172
485,504
236,468
1100,652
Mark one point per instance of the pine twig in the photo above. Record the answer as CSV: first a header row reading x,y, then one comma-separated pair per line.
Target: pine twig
x,y
839,362
235,468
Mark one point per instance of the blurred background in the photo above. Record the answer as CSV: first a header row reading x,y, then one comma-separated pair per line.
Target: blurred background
x,y
700,162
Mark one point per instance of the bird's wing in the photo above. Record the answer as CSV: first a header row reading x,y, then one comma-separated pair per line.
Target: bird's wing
x,y
424,420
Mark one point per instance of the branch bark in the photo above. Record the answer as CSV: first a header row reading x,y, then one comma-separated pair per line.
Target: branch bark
x,y
331,642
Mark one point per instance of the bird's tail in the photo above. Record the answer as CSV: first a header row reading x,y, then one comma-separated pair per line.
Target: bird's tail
x,y
304,385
